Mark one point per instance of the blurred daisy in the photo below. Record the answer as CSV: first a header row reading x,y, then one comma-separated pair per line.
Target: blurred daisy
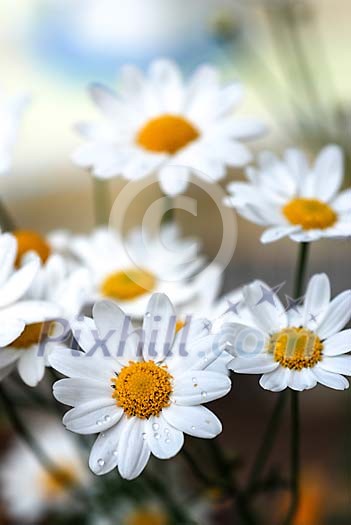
x,y
24,313
11,111
31,241
139,402
293,199
129,270
29,491
300,347
160,123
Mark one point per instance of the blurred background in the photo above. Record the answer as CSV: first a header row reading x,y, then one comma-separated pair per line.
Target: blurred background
x,y
294,59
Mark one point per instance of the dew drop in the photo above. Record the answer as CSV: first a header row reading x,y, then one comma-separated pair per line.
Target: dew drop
x,y
168,440
143,435
107,418
155,426
193,428
148,314
115,452
157,436
101,462
99,422
204,394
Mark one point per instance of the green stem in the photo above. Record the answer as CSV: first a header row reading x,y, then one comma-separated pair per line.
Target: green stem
x,y
301,267
178,515
6,221
196,470
22,431
101,201
224,467
267,442
295,459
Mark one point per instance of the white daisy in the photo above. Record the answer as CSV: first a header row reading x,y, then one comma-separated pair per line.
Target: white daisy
x,y
294,199
300,347
129,270
11,111
159,122
28,490
22,315
146,392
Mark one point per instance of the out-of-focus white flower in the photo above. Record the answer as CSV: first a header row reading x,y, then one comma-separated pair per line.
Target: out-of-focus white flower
x,y
297,348
130,270
160,123
11,111
293,199
30,491
20,317
33,295
139,402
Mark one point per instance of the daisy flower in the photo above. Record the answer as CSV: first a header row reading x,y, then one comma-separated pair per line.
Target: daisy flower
x,y
23,314
11,111
31,241
293,199
159,122
140,393
300,347
18,315
130,270
29,491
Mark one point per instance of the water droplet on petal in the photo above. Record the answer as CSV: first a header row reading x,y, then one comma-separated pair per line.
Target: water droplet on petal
x,y
168,440
193,428
115,452
101,462
107,418
148,314
157,436
143,435
203,394
155,426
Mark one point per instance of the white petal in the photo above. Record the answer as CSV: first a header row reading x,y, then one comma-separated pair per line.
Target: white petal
x,y
19,283
8,249
167,81
10,330
342,203
9,356
300,380
92,417
254,365
269,317
337,364
159,328
275,381
195,355
174,179
329,172
133,450
196,387
338,344
34,311
80,365
104,453
121,338
316,301
277,232
31,367
196,421
297,163
329,379
164,440
337,315
75,391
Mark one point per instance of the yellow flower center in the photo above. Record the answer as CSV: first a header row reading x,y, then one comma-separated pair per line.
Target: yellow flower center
x,y
310,214
142,389
53,484
166,134
296,348
147,517
30,241
128,284
31,335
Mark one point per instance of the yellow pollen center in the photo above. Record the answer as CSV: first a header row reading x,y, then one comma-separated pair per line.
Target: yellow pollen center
x,y
310,214
30,241
166,134
147,517
55,483
179,325
128,284
296,348
31,335
142,389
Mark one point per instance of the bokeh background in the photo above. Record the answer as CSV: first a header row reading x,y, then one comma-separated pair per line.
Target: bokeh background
x,y
295,61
